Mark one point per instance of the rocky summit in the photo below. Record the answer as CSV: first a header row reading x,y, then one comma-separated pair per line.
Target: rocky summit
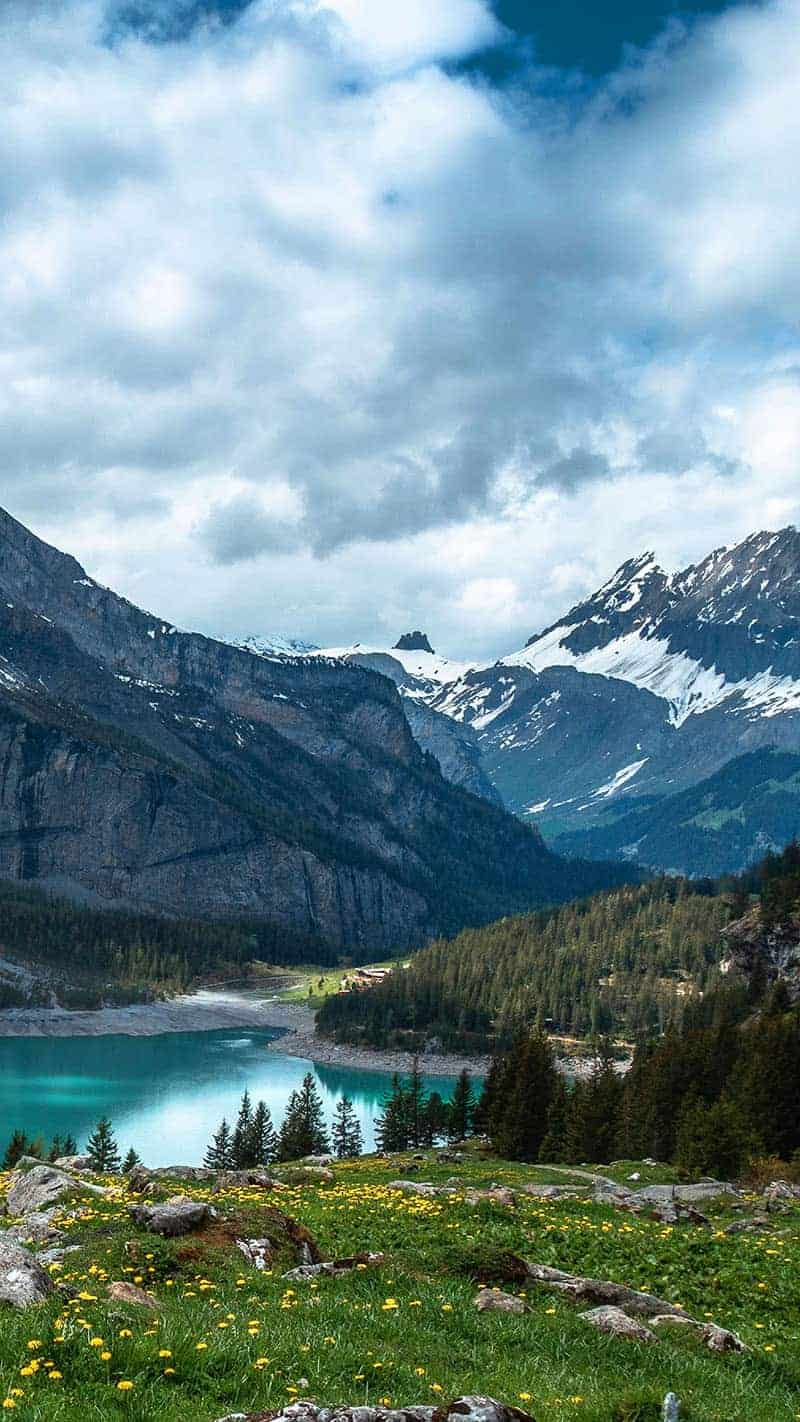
x,y
642,691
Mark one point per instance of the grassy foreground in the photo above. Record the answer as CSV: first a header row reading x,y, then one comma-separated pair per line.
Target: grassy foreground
x,y
227,1338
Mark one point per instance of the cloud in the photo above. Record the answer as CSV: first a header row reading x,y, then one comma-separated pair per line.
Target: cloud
x,y
305,327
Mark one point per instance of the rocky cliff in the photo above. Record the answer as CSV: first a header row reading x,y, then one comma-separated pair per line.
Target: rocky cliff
x,y
146,766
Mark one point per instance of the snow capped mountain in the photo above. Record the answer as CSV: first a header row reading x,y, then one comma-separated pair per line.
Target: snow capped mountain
x,y
727,629
418,669
275,646
642,690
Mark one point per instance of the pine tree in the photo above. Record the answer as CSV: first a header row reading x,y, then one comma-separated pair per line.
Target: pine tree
x,y
392,1126
264,1140
219,1155
303,1131
462,1108
417,1102
712,1139
519,1118
242,1142
102,1148
18,1146
347,1138
131,1161
69,1145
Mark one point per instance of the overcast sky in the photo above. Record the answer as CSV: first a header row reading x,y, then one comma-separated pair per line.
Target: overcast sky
x,y
333,322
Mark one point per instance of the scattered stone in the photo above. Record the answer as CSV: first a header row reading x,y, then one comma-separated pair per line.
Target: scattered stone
x,y
123,1292
319,1160
672,1408
23,1281
414,1187
450,1157
179,1215
257,1252
635,1175
36,1228
73,1163
722,1340
497,1194
305,1175
495,1301
719,1340
609,1319
601,1291
753,1222
332,1267
553,1192
465,1409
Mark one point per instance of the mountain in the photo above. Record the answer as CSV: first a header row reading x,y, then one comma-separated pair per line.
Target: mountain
x,y
719,826
646,688
419,674
156,769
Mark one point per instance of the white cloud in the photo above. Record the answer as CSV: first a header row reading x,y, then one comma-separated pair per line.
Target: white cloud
x,y
304,331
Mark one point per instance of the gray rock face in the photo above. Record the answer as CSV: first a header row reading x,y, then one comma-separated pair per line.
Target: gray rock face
x,y
36,1189
608,1319
73,1163
23,1281
174,1217
156,769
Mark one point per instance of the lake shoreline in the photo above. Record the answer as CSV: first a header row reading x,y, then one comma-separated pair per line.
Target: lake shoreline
x,y
209,1010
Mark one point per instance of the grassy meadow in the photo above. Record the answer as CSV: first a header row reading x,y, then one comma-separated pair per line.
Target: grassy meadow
x,y
227,1338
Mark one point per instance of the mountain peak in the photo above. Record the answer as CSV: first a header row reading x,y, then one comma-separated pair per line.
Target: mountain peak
x,y
413,642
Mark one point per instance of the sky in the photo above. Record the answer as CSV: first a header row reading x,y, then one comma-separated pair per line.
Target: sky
x,y
335,321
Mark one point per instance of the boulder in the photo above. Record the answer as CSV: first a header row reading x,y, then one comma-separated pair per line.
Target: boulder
x,y
687,1194
609,1319
123,1292
305,1175
601,1291
497,1194
257,1252
35,1228
552,1192
319,1160
495,1301
73,1163
719,1340
23,1281
333,1267
176,1216
35,1189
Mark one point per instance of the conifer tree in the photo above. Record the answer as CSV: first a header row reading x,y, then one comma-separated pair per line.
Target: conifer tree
x,y
263,1137
462,1108
417,1101
18,1146
519,1117
392,1126
219,1155
102,1148
347,1138
132,1159
303,1131
242,1142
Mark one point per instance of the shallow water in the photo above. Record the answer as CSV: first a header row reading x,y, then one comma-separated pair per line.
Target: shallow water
x,y
165,1095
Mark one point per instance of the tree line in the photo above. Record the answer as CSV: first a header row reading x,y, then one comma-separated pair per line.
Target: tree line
x,y
627,960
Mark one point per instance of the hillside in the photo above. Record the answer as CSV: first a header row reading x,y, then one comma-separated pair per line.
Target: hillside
x,y
627,960
219,1337
721,825
154,769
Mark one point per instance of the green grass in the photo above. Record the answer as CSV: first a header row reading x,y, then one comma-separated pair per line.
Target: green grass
x,y
311,984
407,1331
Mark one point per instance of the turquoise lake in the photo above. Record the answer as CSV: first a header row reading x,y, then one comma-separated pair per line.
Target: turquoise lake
x,y
166,1094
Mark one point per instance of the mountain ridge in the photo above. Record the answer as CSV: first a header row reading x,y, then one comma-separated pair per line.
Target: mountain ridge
x,y
148,767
